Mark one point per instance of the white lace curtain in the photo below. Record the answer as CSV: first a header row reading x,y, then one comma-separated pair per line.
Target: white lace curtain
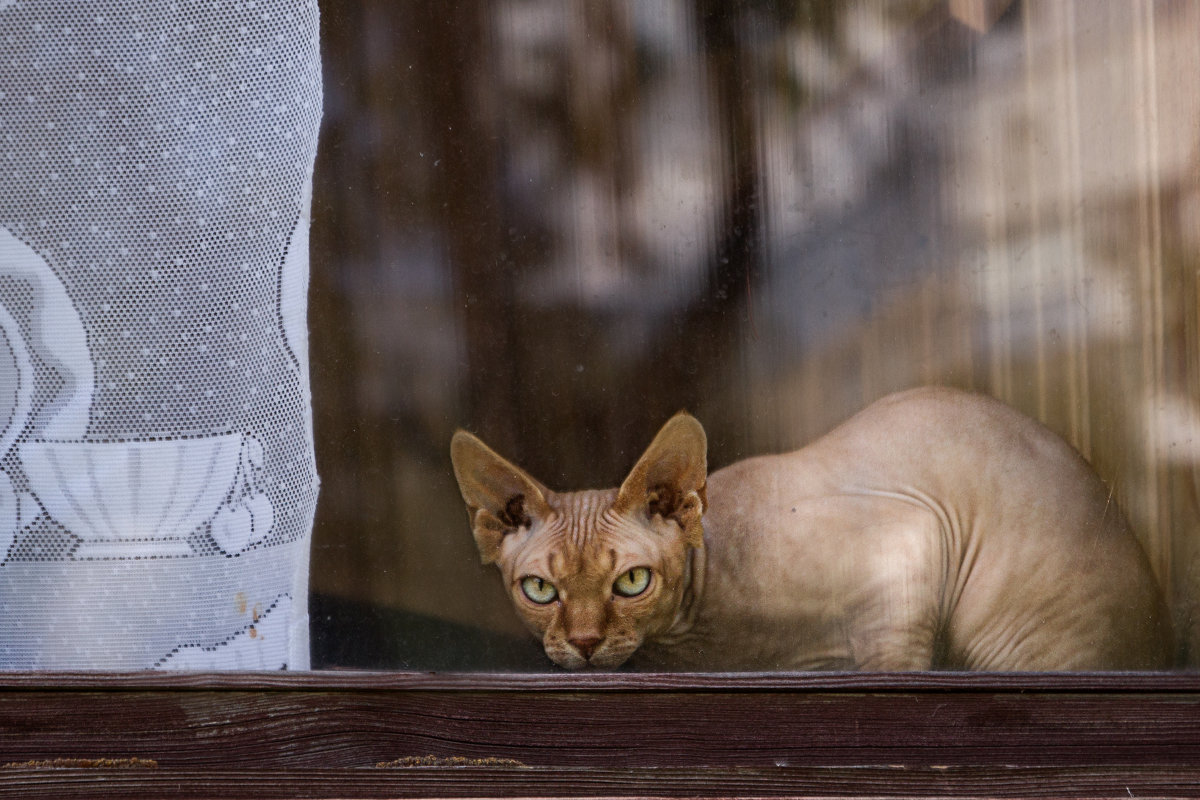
x,y
157,478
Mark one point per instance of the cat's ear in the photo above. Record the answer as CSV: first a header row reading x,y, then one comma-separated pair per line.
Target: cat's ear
x,y
501,498
670,478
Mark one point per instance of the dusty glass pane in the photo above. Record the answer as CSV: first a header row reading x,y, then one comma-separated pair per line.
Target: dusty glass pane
x,y
556,224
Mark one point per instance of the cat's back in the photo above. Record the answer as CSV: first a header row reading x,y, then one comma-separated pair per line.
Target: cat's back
x,y
1038,568
940,441
917,439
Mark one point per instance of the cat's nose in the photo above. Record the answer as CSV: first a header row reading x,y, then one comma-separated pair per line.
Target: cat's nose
x,y
586,645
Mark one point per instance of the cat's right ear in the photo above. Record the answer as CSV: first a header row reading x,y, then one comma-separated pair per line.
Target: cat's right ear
x,y
501,498
669,479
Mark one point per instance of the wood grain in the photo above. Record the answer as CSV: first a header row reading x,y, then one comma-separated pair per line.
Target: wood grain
x,y
322,734
896,781
560,681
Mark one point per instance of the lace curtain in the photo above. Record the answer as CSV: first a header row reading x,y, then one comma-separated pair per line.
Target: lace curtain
x,y
157,478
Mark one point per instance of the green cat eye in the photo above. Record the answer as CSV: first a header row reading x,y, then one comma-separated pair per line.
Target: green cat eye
x,y
539,590
633,582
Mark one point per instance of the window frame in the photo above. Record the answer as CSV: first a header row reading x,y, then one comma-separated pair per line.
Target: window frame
x,y
322,734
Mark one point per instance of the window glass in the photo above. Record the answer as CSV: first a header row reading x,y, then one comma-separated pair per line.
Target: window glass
x,y
555,224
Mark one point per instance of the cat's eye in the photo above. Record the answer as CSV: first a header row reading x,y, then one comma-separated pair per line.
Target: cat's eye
x,y
539,590
632,582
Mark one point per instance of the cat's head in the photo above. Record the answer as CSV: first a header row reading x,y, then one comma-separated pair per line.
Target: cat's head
x,y
592,573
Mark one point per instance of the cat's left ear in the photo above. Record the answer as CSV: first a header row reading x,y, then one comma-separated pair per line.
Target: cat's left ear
x,y
501,498
669,479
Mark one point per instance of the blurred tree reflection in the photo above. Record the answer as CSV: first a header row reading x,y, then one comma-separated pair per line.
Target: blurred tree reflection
x,y
558,222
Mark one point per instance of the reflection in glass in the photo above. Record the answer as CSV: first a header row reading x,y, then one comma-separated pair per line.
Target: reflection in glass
x,y
557,223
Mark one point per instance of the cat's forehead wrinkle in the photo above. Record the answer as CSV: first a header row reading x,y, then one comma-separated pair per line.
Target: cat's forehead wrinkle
x,y
584,540
582,514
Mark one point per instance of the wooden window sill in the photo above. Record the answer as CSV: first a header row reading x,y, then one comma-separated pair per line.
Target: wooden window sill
x,y
346,734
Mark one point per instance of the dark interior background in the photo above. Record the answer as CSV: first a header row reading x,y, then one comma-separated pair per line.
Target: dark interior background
x,y
557,222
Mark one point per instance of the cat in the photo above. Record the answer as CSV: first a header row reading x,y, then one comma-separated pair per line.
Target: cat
x,y
936,529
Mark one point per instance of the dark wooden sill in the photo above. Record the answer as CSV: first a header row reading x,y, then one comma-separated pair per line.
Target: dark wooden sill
x,y
322,734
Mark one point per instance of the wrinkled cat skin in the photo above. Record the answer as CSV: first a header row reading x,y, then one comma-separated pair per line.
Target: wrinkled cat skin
x,y
935,529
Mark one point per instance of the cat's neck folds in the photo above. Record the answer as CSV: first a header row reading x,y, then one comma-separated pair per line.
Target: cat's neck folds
x,y
689,604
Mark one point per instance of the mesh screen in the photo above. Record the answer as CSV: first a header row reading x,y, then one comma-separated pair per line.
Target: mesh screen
x,y
157,478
